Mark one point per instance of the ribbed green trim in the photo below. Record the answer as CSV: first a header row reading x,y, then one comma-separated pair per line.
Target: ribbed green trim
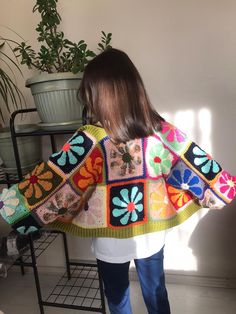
x,y
96,131
129,231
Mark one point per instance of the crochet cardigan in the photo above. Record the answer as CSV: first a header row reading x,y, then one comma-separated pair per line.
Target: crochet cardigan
x,y
94,188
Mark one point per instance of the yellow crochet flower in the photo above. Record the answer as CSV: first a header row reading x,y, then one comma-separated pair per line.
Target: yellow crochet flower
x,y
160,207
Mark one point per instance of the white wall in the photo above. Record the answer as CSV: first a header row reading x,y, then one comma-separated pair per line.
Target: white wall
x,y
185,51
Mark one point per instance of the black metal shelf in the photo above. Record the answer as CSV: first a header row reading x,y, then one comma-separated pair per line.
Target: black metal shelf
x,y
81,287
8,179
81,291
40,245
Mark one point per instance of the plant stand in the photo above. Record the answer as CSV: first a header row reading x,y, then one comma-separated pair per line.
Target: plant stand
x,y
81,286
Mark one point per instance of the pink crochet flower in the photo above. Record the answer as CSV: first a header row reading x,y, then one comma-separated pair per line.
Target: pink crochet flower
x,y
172,133
228,185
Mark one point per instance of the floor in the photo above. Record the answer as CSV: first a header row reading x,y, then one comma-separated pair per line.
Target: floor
x,y
18,296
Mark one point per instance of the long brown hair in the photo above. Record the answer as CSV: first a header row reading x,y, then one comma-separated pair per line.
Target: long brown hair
x,y
113,92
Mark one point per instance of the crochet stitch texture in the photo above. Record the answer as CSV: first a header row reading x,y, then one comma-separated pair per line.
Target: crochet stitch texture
x,y
94,188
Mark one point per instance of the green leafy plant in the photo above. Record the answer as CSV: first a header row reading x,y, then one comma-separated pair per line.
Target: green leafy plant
x,y
10,95
56,54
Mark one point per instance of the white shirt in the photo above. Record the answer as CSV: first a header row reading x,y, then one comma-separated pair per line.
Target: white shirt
x,y
114,250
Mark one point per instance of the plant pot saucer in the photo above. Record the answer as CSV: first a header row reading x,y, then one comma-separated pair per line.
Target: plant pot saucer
x,y
70,125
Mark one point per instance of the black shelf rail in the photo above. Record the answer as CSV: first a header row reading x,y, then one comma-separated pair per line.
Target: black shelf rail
x,y
80,287
49,132
7,179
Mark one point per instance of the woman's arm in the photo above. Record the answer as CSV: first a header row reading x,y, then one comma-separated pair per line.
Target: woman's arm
x,y
46,193
195,171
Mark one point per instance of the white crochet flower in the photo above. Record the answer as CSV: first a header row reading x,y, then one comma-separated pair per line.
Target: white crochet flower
x,y
8,202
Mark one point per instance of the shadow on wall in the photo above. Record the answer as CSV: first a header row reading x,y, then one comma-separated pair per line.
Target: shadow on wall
x,y
213,243
204,245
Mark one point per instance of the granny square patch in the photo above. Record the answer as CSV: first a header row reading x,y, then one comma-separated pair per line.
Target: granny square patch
x,y
126,204
93,214
201,161
158,157
175,139
63,205
72,152
13,205
90,173
39,184
183,178
225,186
124,161
210,199
158,203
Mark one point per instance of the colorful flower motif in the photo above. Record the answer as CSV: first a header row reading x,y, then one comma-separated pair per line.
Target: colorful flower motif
x,y
70,150
8,203
205,161
175,139
63,207
90,172
178,197
37,182
93,214
172,133
13,206
124,160
128,205
160,206
186,180
72,153
161,159
26,230
228,185
225,186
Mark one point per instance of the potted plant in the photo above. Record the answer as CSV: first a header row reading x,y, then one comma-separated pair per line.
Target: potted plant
x,y
60,62
11,98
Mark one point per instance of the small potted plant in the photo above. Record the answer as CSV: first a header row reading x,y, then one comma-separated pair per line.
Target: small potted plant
x,y
60,62
11,98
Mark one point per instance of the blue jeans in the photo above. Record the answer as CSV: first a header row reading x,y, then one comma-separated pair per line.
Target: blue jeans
x,y
152,280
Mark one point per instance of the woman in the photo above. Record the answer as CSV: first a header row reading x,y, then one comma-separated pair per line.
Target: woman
x,y
124,180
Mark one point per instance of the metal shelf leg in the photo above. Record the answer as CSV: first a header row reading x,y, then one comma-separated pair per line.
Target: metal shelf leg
x,y
36,276
66,256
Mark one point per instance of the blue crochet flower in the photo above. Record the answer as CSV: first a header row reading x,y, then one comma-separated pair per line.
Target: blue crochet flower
x,y
205,160
185,180
25,230
68,150
128,206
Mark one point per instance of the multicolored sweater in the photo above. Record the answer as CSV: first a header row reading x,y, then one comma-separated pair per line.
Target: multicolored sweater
x,y
94,188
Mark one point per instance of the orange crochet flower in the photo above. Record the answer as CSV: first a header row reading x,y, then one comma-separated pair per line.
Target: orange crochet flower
x,y
178,197
90,172
36,182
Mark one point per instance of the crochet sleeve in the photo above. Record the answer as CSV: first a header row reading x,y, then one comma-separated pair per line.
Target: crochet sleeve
x,y
50,191
196,172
